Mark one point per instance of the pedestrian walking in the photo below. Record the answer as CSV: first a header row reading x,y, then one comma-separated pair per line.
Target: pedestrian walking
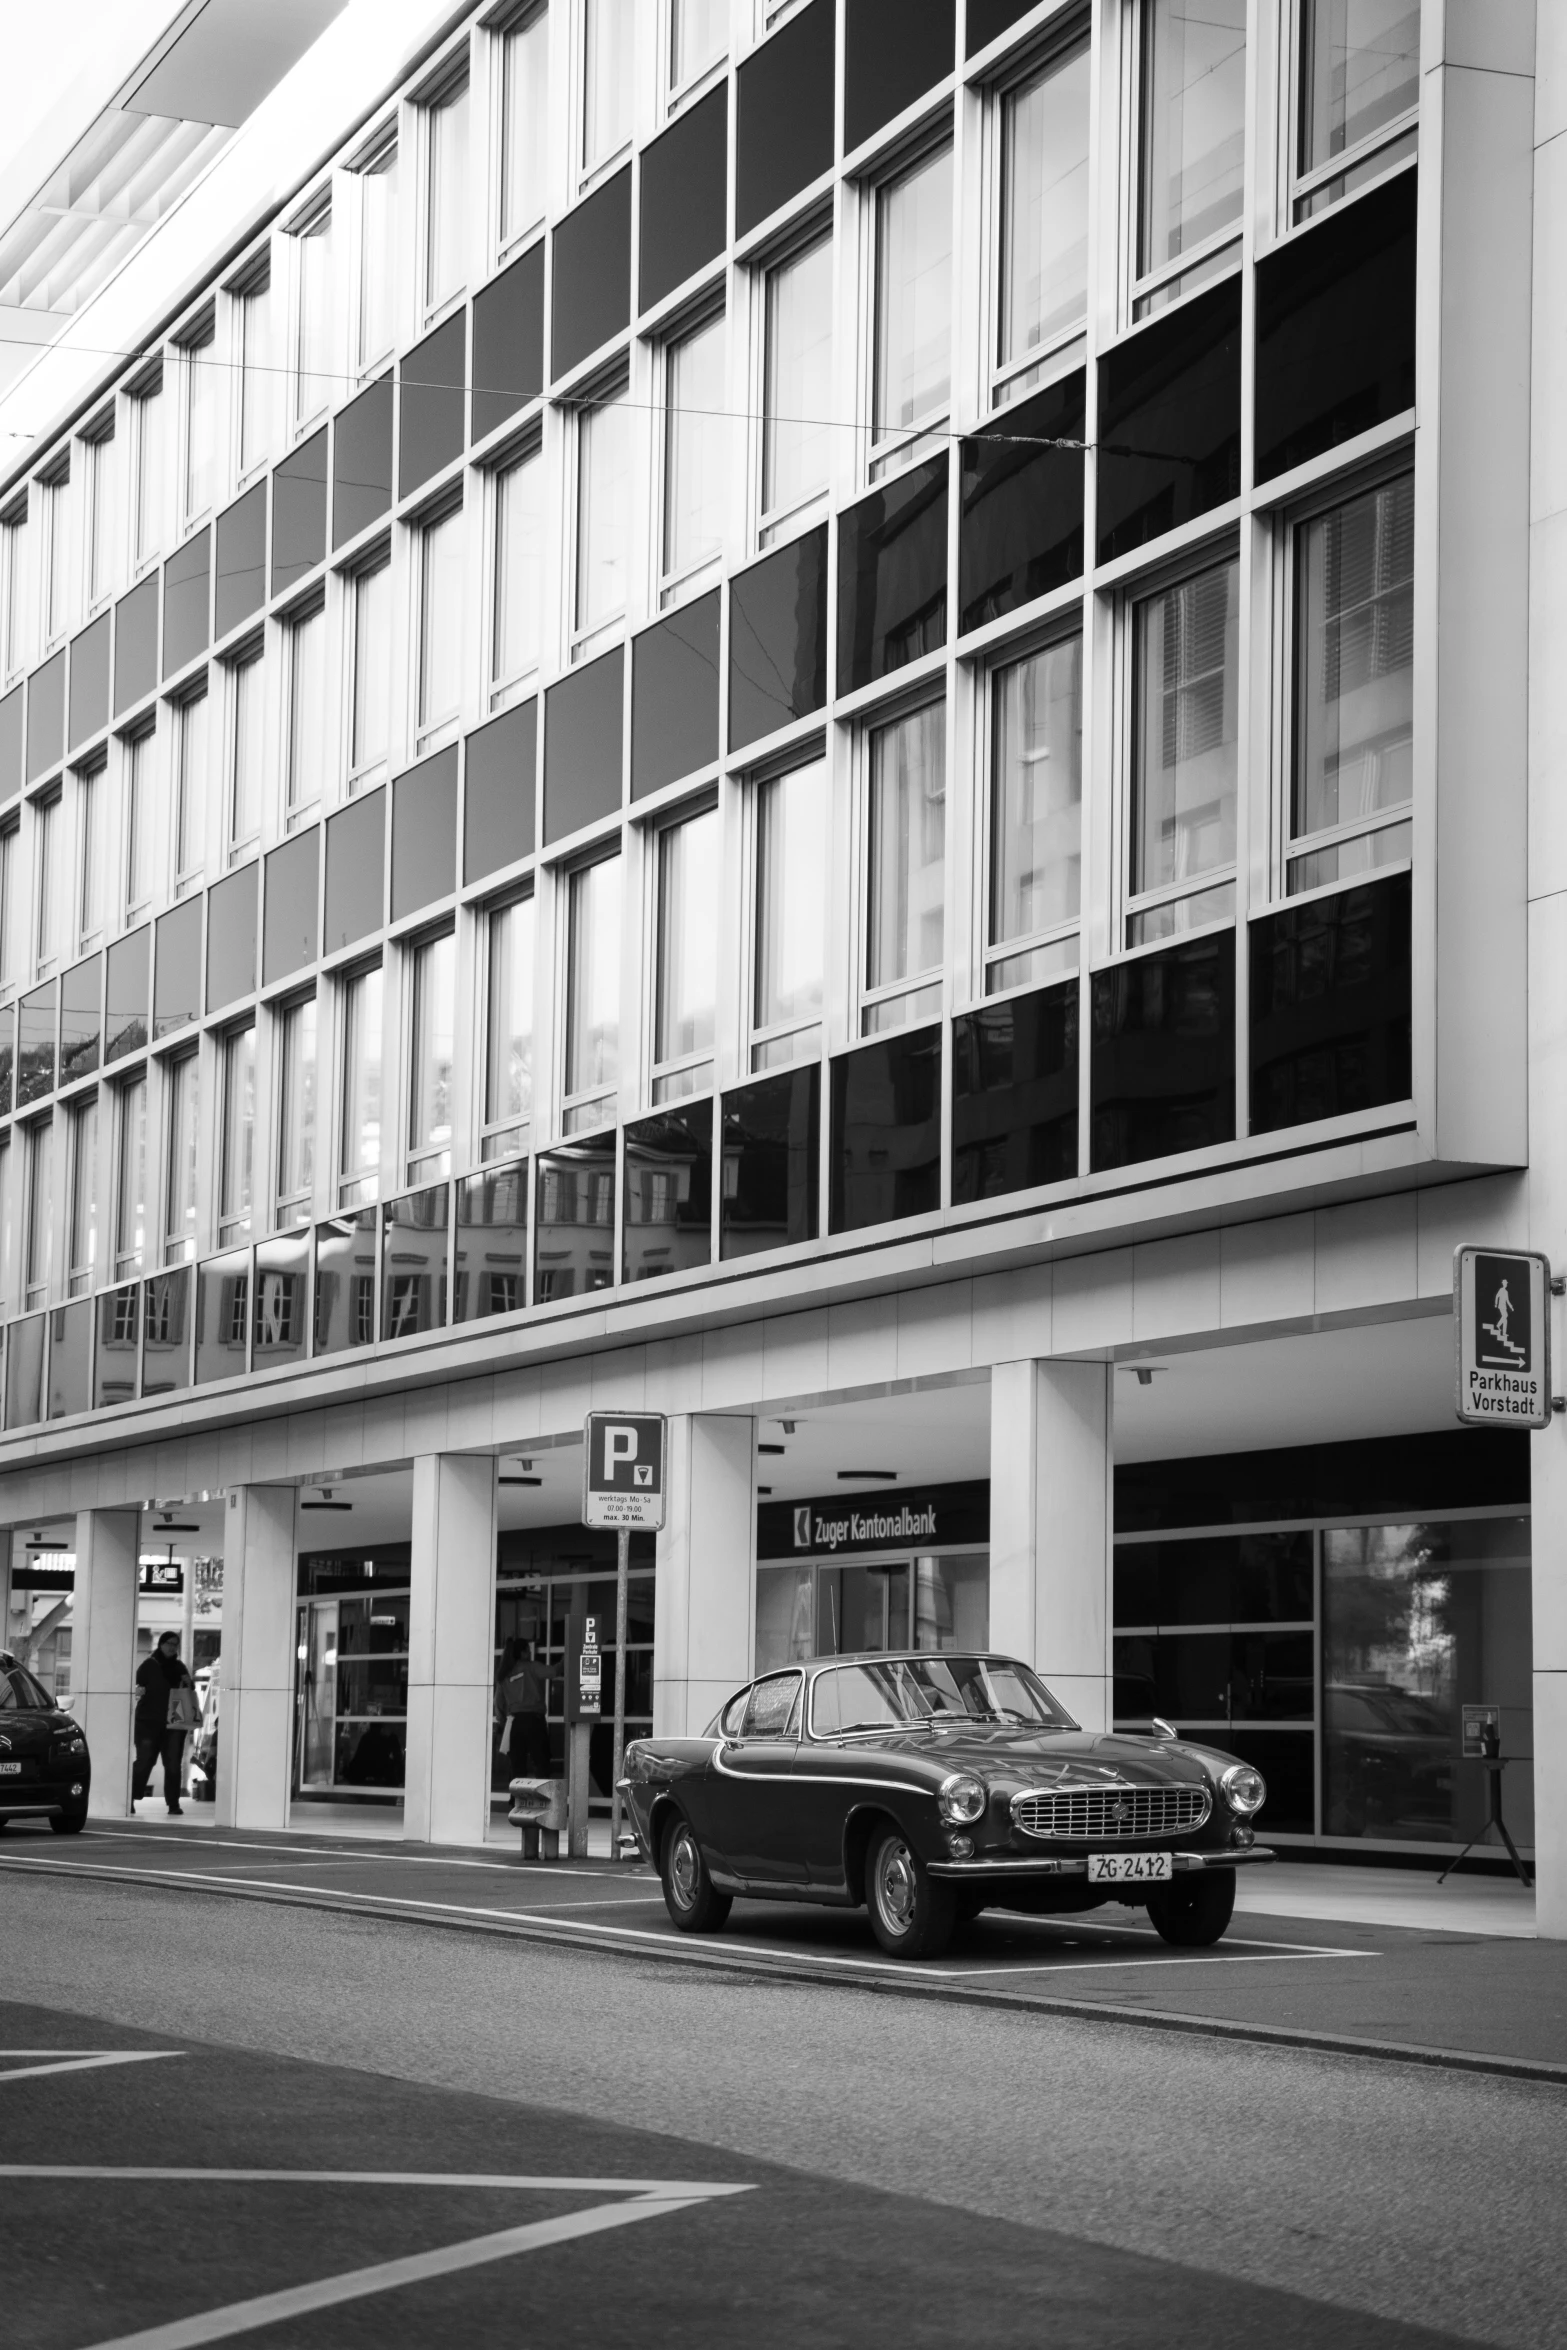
x,y
520,1710
166,1713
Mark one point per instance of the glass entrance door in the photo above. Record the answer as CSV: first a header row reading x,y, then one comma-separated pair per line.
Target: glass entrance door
x,y
353,1693
318,1691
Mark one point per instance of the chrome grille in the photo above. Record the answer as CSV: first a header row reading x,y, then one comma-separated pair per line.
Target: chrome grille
x,y
1093,1815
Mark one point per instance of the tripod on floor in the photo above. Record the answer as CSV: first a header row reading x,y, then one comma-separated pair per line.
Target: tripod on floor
x,y
1493,1766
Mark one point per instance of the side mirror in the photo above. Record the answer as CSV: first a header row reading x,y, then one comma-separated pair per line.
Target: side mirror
x,y
1164,1729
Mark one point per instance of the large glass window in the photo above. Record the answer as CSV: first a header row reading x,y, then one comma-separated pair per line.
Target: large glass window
x,y
190,789
524,123
431,1057
791,863
696,453
40,1210
179,1213
360,1142
82,1249
56,495
446,196
89,853
203,389
592,995
378,183
797,380
1359,72
603,511
13,556
1354,685
130,1178
686,987
905,860
508,1030
139,752
308,749
1193,142
236,1172
913,366
9,851
247,749
1044,211
49,873
314,319
1036,814
517,613
147,432
1186,680
296,1169
372,706
103,514
698,38
609,48
440,619
258,402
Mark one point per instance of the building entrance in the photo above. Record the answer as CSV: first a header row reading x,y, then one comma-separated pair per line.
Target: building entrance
x,y
351,1687
549,1582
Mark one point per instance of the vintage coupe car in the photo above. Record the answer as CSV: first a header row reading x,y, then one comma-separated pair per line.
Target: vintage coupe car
x,y
45,1770
930,1787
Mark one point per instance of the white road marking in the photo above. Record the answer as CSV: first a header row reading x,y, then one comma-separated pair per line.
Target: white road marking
x,y
1078,1966
523,2182
391,1848
79,2060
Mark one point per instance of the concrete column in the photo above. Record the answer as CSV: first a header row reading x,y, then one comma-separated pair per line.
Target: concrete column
x,y
451,1644
704,1634
1051,1469
103,1651
256,1710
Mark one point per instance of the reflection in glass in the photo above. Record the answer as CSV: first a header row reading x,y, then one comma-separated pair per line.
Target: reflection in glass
x,y
433,1053
89,825
297,1112
201,425
524,123
258,376
609,47
414,1262
345,1283
696,450
1044,219
282,1289
247,750
372,667
492,1243
83,1244
913,294
148,411
239,1133
791,861
307,731
508,1070
190,786
1355,673
440,618
138,819
166,1316
1193,124
575,1228
360,1158
1186,657
797,401
593,986
314,321
1359,68
519,568
222,1317
687,939
906,859
1036,849
130,1217
698,37
377,254
445,196
603,510
184,1143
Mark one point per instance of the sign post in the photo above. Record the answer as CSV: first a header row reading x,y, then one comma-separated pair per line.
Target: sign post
x,y
623,1456
1502,1329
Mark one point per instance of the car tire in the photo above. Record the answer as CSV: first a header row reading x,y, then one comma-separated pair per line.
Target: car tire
x,y
68,1823
912,1915
1194,1910
690,1896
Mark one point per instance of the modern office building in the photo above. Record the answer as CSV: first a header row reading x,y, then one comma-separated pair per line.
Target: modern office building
x,y
818,716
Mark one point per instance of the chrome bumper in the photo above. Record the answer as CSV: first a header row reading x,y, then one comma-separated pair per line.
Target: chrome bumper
x,y
999,1872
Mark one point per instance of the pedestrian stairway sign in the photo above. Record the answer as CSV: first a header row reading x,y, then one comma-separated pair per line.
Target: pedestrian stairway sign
x,y
1501,1325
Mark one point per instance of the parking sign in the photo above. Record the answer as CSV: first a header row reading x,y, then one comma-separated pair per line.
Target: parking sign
x,y
623,1470
1501,1328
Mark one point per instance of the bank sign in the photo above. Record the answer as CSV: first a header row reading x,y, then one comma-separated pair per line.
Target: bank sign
x,y
1502,1331
936,1517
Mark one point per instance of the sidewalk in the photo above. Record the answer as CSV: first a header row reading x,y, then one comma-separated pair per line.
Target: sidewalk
x,y
1388,1897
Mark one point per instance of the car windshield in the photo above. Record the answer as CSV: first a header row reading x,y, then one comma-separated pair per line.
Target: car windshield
x,y
20,1693
920,1692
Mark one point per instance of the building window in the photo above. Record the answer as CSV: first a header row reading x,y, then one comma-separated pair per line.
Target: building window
x,y
360,1154
202,385
370,731
1359,88
8,857
184,1090
190,789
440,620
698,40
797,387
1354,686
57,553
237,1156
50,876
913,326
432,1050
258,404
89,853
13,583
446,195
247,748
138,821
1192,160
696,455
1185,688
525,96
905,867
314,322
377,323
517,606
296,1158
147,436
307,732
1036,816
103,568
508,1029
40,1212
609,45
686,980
603,513
130,1177
1044,215
592,995
82,1245
791,858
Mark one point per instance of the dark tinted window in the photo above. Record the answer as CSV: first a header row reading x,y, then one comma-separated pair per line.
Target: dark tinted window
x,y
1223,1579
231,937
674,696
772,1158
241,586
81,1028
11,745
186,593
292,930
1022,529
778,639
892,576
988,19
684,204
1162,1074
592,281
583,724
894,50
176,985
299,511
355,857
1330,1006
433,377
574,1221
19,1692
669,1192
1336,328
90,680
362,461
45,717
125,1019
784,126
499,782
1381,1476
508,342
884,1142
1170,421
414,1255
424,833
135,644
1014,1094
492,1243
35,1025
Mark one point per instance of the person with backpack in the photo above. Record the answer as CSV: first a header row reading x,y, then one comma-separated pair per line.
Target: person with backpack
x,y
166,1713
520,1711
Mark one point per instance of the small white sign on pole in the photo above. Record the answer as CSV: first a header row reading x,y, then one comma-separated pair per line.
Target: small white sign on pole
x,y
1502,1335
623,1470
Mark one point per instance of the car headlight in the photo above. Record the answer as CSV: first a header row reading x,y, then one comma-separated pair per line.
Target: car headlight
x,y
1244,1789
961,1797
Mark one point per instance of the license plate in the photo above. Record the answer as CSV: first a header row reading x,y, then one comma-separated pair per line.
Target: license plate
x,y
1128,1868
10,1770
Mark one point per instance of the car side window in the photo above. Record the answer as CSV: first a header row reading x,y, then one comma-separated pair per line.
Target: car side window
x,y
733,1715
773,1706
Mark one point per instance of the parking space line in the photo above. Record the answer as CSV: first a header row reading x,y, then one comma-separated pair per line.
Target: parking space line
x,y
391,1850
1078,1966
78,2061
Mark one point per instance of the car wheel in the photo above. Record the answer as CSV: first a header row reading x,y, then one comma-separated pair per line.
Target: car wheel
x,y
1194,1910
68,1823
912,1916
690,1896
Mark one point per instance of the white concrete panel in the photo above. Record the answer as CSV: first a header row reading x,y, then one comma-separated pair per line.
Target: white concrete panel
x,y
674,1374
1013,1314
1379,1379
451,1635
1449,1216
254,1747
516,1407
1051,1467
1267,1272
1176,1285
794,1354
1550,72
103,1656
731,1367
619,1379
862,1343
1550,1812
1548,1077
1093,1302
704,1621
1495,37
1548,482
1366,1254
935,1331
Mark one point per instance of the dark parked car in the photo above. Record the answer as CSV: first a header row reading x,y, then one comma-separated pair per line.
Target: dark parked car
x,y
930,1787
45,1770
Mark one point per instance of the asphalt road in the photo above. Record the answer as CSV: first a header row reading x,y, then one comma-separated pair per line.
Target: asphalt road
x,y
916,2171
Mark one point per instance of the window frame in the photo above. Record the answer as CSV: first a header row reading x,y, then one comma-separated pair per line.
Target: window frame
x,y
584,639
1054,950
590,1109
181,1246
914,989
674,585
526,18
129,1264
888,452
1305,193
91,829
586,171
55,583
359,1187
775,524
15,639
37,1253
509,1136
454,84
677,1076
764,1043
1005,380
310,610
236,1222
1218,255
102,514
81,1271
197,347
381,154
257,285
433,728
293,1205
675,91
315,219
138,796
149,470
363,774
187,874
426,1162
50,878
504,687
246,660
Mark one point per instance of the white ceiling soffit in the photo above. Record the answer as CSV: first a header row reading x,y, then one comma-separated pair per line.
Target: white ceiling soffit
x,y
228,57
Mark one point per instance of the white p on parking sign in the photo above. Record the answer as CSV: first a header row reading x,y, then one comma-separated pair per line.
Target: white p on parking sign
x,y
623,1469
